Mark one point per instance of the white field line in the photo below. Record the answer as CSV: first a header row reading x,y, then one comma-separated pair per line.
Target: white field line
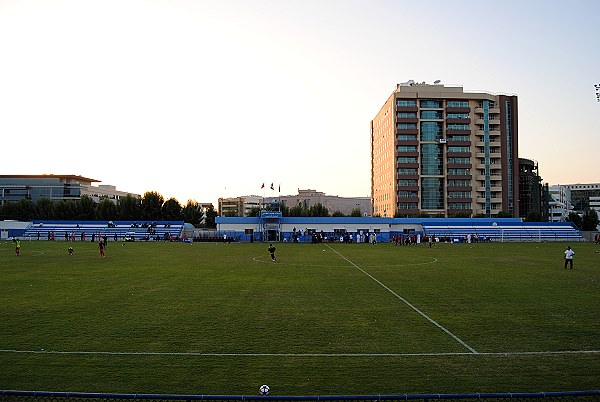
x,y
407,303
325,355
279,262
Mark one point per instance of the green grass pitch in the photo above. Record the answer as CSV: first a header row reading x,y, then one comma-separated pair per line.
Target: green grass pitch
x,y
324,319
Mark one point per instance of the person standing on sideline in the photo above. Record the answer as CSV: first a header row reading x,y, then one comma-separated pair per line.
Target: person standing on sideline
x,y
272,251
101,248
569,257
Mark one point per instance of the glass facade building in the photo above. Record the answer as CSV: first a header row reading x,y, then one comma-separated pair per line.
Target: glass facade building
x,y
54,187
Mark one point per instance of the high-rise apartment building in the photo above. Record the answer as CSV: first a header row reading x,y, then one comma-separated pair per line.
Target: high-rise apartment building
x,y
441,151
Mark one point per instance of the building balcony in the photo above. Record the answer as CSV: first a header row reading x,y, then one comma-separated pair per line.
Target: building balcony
x,y
492,110
458,143
481,200
490,121
458,188
407,177
458,132
407,188
492,144
482,189
406,120
407,109
449,200
407,131
408,142
493,133
482,166
407,199
458,166
401,165
458,154
458,121
458,110
493,177
459,177
408,154
494,155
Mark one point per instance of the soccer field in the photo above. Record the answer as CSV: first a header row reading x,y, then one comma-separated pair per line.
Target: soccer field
x,y
324,319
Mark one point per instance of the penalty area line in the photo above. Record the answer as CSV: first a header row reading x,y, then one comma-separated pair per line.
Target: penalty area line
x,y
431,320
200,354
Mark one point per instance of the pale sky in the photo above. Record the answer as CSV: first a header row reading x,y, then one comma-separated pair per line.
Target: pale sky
x,y
204,99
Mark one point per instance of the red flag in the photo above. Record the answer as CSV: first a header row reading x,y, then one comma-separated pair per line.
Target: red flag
x,y
272,187
263,186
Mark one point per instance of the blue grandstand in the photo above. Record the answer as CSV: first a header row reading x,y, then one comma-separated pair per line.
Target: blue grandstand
x,y
113,230
506,229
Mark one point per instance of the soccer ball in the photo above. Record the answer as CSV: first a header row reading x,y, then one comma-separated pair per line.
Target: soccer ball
x,y
264,390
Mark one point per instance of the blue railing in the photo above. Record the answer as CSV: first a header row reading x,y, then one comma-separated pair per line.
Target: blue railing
x,y
593,395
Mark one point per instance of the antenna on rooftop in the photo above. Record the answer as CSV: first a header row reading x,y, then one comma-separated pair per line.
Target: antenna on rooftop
x,y
437,81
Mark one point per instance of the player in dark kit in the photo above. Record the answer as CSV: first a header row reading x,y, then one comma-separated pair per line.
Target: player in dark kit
x,y
101,247
272,251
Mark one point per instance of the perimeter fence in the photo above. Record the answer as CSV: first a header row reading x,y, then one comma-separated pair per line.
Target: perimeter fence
x,y
578,396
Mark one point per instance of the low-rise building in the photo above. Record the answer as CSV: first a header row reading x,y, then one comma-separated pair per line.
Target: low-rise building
x,y
239,206
55,188
333,203
560,203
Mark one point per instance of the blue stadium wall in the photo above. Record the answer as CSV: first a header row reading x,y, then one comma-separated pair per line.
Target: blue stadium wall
x,y
384,228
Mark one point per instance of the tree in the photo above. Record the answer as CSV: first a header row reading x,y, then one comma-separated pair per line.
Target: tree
x,y
210,217
87,208
43,208
297,210
338,213
106,210
254,211
318,210
355,213
504,214
25,210
152,203
460,214
533,216
130,208
590,221
9,210
64,210
575,219
171,210
192,213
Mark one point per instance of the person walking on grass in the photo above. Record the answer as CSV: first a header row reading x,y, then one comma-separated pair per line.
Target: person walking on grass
x,y
569,257
271,250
